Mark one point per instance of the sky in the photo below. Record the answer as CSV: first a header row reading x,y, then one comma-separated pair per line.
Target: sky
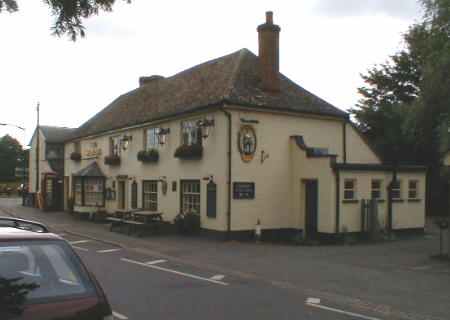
x,y
324,46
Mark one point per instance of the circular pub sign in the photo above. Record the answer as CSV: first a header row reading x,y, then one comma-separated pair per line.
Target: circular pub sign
x,y
247,143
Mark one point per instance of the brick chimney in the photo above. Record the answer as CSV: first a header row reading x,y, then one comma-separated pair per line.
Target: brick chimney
x,y
269,58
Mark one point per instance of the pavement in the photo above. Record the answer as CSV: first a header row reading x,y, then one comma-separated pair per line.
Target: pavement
x,y
171,277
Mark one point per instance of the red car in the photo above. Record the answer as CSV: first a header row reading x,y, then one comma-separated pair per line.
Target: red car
x,y
42,278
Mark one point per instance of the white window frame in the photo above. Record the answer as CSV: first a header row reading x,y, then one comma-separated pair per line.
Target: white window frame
x,y
115,145
152,138
379,189
190,191
399,189
190,133
78,191
150,195
93,191
415,189
353,189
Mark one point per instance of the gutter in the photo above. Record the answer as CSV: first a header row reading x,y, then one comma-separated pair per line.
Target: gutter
x,y
229,168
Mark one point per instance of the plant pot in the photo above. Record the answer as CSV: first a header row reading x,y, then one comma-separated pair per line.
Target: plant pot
x,y
75,156
148,156
112,160
189,152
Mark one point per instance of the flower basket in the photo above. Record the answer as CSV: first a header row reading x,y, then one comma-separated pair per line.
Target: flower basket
x,y
189,152
75,156
112,160
148,156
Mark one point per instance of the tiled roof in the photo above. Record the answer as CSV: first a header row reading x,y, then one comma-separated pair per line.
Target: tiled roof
x,y
232,79
55,134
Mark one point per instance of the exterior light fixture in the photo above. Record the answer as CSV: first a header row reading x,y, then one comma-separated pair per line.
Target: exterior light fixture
x,y
205,125
126,139
162,135
163,180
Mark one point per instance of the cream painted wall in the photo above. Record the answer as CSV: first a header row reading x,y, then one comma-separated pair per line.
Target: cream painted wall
x,y
357,149
274,205
212,163
317,169
406,214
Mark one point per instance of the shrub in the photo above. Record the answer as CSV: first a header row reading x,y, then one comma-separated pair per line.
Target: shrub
x,y
75,156
188,223
112,160
151,155
189,152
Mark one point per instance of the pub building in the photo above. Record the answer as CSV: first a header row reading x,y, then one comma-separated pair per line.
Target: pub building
x,y
239,143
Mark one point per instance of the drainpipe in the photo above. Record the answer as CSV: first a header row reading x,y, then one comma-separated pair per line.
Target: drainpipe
x,y
338,202
228,115
344,141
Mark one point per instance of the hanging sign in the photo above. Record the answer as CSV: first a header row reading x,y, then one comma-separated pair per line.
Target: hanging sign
x,y
247,142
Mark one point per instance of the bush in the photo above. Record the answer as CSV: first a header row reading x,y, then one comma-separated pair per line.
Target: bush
x,y
188,223
112,160
151,155
189,152
75,156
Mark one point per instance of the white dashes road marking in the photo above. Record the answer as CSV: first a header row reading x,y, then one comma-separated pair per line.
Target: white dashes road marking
x,y
80,248
315,303
187,275
79,241
156,262
218,277
108,250
119,316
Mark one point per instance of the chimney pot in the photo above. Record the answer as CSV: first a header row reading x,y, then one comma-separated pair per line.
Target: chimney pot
x,y
269,17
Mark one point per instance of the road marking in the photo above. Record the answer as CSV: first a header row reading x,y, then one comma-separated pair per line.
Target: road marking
x,y
79,241
108,250
188,275
156,262
80,248
218,277
421,268
352,314
119,316
313,300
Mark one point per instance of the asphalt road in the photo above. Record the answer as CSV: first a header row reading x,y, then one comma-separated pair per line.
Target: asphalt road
x,y
141,286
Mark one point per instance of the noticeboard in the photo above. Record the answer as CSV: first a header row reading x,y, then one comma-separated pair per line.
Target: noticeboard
x,y
211,199
243,190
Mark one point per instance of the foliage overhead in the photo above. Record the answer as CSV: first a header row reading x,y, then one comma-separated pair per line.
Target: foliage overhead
x,y
69,14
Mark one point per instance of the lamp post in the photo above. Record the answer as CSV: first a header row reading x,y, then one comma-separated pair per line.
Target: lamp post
x,y
23,159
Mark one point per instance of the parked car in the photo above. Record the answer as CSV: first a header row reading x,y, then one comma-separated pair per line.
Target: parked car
x,y
42,278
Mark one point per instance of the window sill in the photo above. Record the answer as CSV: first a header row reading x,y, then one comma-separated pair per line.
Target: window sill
x,y
414,200
398,200
350,201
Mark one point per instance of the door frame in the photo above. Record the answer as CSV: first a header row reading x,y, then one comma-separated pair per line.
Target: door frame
x,y
122,194
308,233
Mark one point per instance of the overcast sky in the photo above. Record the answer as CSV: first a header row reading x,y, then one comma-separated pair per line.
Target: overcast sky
x,y
324,46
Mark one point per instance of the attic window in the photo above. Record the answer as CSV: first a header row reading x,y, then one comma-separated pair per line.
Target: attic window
x,y
152,138
115,146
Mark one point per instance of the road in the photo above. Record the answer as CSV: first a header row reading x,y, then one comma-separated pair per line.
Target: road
x,y
172,277
141,286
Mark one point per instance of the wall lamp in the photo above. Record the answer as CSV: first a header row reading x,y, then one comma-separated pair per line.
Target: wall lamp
x,y
126,139
162,135
205,125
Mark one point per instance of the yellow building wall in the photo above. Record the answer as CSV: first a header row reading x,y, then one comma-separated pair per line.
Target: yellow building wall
x,y
43,164
406,214
358,151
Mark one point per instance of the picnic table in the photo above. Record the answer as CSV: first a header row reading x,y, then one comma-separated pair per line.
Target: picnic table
x,y
135,219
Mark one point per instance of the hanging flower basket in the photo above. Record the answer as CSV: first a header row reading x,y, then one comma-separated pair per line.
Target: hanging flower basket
x,y
189,152
75,156
112,160
148,156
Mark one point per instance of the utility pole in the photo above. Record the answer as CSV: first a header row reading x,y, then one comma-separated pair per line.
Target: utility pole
x,y
37,149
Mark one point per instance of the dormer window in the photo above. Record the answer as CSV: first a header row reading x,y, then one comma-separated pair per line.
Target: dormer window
x,y
191,134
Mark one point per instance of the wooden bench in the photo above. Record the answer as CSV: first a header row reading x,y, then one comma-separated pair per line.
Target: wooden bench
x,y
115,222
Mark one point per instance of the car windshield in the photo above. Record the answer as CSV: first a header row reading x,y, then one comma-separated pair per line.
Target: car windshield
x,y
40,271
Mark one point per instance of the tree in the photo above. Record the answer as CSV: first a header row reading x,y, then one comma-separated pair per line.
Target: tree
x,y
69,13
11,154
406,100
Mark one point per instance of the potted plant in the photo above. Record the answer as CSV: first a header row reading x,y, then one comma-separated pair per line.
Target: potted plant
x,y
146,156
189,152
75,156
112,160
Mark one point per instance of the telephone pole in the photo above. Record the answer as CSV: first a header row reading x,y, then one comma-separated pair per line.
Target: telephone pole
x,y
37,149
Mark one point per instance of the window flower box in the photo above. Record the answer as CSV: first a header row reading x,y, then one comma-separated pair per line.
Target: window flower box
x,y
189,152
112,160
148,156
75,156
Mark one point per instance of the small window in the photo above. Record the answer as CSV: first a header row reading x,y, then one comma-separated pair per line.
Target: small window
x,y
150,195
376,189
190,133
190,196
413,189
152,138
349,189
396,189
115,146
